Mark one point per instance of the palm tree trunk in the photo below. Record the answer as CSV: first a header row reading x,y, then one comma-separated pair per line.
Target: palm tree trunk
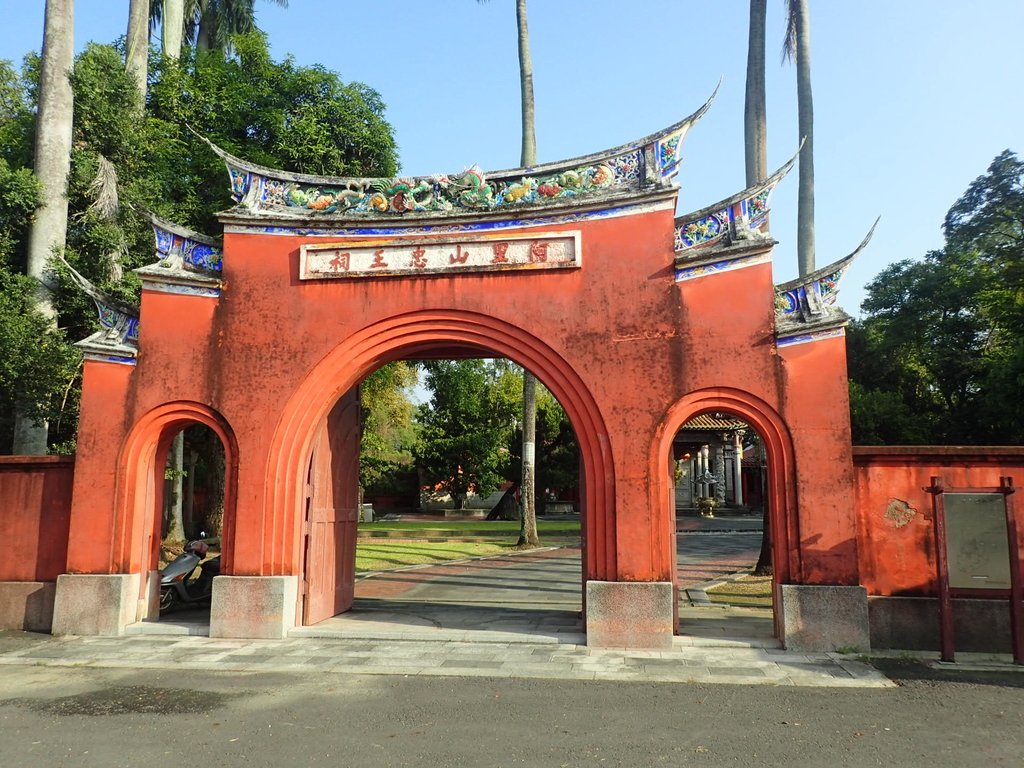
x,y
755,127
204,35
528,525
136,47
805,108
529,154
52,164
175,521
173,28
528,529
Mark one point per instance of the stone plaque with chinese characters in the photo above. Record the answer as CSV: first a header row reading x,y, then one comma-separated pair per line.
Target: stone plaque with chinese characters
x,y
403,258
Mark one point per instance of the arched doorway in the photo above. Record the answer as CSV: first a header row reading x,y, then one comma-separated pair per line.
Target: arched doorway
x,y
732,406
145,460
443,563
327,391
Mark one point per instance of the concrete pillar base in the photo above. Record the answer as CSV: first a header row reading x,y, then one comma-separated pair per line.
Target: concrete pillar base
x,y
149,607
253,607
629,614
825,618
95,604
27,606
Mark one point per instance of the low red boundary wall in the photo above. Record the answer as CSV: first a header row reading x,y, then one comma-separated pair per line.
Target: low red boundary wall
x,y
897,541
35,506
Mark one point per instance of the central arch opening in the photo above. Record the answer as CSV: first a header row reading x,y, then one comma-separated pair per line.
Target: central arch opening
x,y
504,588
437,542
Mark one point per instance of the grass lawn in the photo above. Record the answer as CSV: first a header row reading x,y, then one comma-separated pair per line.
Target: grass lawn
x,y
382,555
747,592
475,527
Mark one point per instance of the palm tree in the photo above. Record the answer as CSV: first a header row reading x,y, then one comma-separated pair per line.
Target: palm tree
x,y
206,24
755,128
798,45
529,153
528,528
52,164
136,46
528,157
171,14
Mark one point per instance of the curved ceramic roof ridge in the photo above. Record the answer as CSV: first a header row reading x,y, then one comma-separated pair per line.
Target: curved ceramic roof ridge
x,y
750,191
179,229
708,421
830,269
314,179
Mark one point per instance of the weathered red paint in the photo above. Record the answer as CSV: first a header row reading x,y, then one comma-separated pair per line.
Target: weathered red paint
x,y
35,506
332,513
629,352
902,560
816,409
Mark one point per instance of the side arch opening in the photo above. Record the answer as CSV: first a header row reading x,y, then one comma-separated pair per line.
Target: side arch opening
x,y
723,463
179,484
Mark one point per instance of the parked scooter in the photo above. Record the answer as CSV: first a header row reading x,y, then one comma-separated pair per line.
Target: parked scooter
x,y
181,582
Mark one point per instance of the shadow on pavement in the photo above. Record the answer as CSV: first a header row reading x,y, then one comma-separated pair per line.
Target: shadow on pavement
x,y
906,670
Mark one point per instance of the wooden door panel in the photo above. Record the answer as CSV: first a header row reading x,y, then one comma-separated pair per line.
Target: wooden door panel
x,y
332,514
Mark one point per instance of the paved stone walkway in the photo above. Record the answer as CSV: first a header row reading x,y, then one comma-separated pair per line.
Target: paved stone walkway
x,y
510,616
682,664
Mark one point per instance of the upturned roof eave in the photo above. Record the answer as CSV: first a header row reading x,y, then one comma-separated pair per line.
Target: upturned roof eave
x,y
750,191
511,173
832,268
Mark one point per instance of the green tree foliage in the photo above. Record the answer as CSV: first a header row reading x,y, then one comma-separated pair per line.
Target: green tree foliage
x,y
278,114
36,363
465,428
473,423
939,356
558,453
304,119
17,118
213,24
389,432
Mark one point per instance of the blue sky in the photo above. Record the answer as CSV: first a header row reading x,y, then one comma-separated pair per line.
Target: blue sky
x,y
912,98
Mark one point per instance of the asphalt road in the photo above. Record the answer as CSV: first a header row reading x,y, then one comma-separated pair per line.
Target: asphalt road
x,y
91,718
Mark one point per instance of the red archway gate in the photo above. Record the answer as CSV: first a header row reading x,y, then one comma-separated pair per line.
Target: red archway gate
x,y
578,271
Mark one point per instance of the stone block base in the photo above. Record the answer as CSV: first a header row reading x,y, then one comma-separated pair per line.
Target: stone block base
x,y
825,618
95,604
912,624
27,605
253,607
629,614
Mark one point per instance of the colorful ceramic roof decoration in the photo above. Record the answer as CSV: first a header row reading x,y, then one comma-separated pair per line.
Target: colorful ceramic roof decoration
x,y
188,262
118,339
639,166
806,309
740,218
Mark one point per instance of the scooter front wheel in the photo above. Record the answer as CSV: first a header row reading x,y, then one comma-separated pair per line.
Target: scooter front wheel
x,y
168,599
